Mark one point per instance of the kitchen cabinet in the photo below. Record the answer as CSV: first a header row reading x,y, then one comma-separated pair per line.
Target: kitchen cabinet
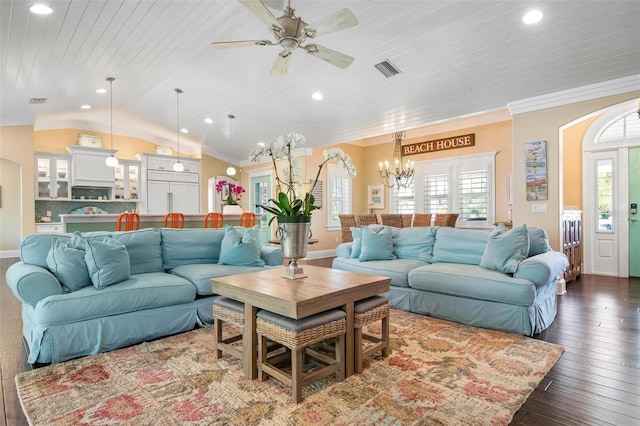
x,y
52,176
49,228
164,190
164,197
90,168
127,181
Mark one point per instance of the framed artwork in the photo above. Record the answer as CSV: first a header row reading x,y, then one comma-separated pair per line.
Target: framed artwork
x,y
375,196
535,160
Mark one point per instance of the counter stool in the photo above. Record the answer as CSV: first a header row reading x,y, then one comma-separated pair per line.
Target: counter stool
x,y
298,335
367,311
230,311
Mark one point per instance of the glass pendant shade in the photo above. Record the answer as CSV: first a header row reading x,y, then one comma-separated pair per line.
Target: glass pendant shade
x,y
178,166
111,161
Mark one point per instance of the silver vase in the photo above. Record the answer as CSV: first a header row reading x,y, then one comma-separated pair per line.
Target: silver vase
x,y
294,237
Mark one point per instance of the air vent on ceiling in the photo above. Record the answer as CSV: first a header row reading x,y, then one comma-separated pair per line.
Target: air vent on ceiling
x,y
37,100
387,68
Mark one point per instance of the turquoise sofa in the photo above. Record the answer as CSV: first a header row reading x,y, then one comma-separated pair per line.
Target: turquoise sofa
x,y
135,286
497,279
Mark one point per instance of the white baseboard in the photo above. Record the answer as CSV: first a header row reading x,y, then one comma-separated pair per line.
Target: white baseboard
x,y
319,254
6,254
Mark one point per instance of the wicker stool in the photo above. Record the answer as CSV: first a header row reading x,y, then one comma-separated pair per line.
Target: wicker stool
x,y
230,311
298,336
374,308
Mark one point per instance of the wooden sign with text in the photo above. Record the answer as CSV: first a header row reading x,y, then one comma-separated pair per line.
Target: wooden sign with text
x,y
439,145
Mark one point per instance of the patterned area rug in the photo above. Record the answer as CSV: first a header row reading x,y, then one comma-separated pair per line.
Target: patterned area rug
x,y
438,373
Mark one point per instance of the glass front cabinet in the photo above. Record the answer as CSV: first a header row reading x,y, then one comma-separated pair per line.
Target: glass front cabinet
x,y
53,176
127,185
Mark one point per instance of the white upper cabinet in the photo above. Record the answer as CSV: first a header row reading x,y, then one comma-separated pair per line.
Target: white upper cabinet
x,y
52,176
90,168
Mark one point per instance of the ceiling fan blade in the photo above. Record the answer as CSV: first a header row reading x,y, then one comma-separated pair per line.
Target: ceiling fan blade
x,y
245,43
281,65
340,20
261,11
338,59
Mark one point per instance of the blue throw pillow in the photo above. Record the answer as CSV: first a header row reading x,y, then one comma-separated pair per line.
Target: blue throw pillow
x,y
414,243
377,243
240,249
506,249
107,262
356,245
68,265
538,241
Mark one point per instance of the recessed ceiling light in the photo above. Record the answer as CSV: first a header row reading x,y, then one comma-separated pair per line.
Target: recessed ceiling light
x,y
41,9
85,107
101,91
532,17
183,130
208,120
317,96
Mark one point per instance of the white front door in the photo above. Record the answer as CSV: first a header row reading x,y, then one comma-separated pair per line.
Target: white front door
x,y
602,207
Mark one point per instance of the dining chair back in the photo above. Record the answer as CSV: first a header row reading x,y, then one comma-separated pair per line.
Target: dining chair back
x,y
213,220
131,222
173,220
347,221
422,219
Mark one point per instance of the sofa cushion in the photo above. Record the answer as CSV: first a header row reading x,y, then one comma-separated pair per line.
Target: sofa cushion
x,y
413,243
240,249
506,248
356,244
68,265
107,262
538,241
188,246
377,243
464,246
397,269
473,282
143,246
200,274
139,292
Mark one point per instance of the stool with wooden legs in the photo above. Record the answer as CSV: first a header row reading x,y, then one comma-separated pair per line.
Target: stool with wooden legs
x,y
232,312
299,335
368,311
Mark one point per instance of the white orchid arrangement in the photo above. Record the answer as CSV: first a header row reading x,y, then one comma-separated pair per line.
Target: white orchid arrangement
x,y
289,182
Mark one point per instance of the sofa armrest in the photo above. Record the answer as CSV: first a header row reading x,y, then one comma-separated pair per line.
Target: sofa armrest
x,y
271,255
344,250
32,283
543,268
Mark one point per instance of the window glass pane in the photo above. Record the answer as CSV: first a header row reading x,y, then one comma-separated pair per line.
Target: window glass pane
x,y
605,201
338,194
472,195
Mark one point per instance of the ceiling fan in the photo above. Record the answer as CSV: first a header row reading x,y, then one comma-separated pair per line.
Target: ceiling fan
x,y
291,32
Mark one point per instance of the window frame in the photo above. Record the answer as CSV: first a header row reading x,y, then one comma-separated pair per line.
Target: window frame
x,y
336,171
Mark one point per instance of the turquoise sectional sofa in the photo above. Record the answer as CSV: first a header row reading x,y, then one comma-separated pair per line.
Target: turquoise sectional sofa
x,y
498,279
87,293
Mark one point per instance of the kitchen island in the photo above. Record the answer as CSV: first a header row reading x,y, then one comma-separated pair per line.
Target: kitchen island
x,y
107,222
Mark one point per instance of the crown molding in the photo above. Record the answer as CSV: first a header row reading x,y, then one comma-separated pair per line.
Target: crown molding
x,y
578,94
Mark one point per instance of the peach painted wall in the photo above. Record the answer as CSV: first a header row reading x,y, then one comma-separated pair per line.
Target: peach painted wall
x,y
572,164
16,144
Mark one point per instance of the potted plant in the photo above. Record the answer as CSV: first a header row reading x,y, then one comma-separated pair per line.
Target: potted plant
x,y
294,202
231,194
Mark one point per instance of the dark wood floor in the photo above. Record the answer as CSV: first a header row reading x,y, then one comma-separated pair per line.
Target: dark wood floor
x,y
596,382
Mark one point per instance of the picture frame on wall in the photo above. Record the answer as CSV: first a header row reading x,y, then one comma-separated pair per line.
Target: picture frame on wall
x,y
535,158
375,197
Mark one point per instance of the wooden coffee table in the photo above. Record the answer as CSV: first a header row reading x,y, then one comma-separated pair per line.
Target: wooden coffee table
x,y
323,289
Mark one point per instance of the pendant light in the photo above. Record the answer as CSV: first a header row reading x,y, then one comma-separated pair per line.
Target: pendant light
x,y
231,171
111,161
178,166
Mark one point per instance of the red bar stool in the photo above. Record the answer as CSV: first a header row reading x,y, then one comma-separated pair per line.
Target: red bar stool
x,y
174,220
213,220
131,222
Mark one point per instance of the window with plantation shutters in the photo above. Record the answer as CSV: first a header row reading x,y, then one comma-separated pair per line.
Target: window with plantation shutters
x,y
338,194
463,185
473,194
436,193
403,199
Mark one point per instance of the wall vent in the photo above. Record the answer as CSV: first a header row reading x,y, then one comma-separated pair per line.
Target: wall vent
x,y
37,101
387,68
